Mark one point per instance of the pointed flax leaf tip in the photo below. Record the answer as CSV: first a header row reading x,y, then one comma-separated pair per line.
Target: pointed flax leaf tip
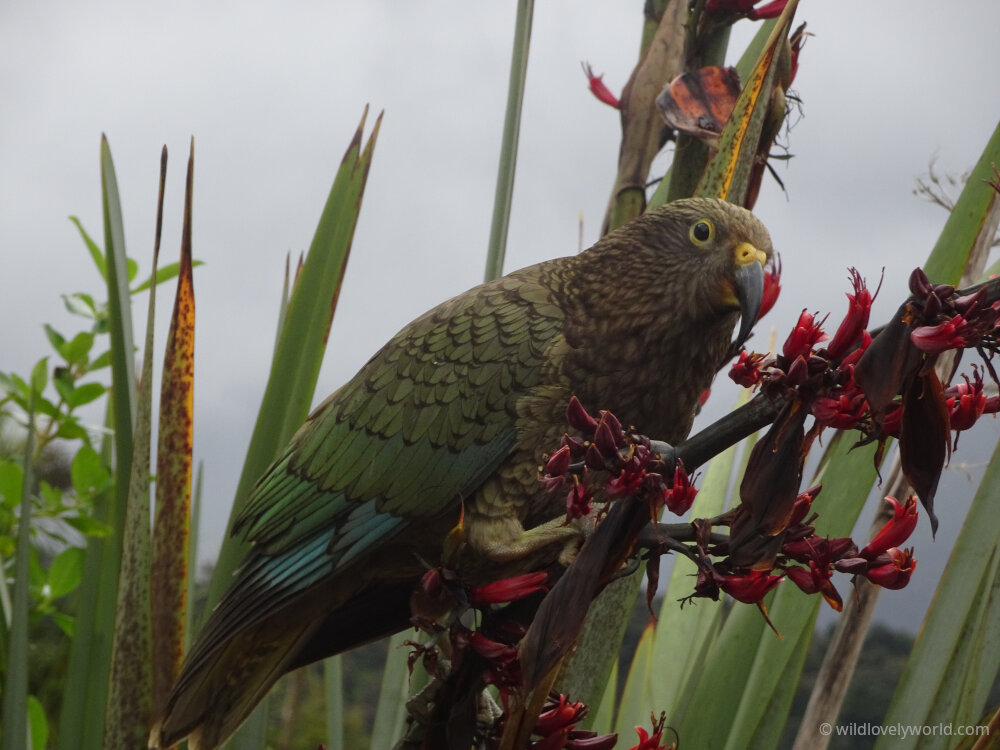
x,y
173,472
302,342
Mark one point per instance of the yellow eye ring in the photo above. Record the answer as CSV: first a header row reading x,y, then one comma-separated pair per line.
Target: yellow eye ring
x,y
702,232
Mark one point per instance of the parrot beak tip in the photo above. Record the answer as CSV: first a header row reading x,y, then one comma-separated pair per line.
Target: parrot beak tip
x,y
750,292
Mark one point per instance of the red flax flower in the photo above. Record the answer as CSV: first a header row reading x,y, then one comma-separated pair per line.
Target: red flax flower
x,y
896,531
842,412
806,334
951,334
816,579
598,88
556,726
652,741
680,496
508,589
749,589
745,7
746,370
966,402
856,321
893,569
772,287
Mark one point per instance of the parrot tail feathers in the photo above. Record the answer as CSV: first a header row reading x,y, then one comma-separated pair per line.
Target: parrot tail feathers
x,y
214,695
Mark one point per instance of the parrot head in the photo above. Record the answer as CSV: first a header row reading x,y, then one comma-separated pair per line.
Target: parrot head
x,y
729,247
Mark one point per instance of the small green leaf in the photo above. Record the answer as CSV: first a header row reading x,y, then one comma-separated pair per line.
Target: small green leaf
x,y
38,725
88,526
70,429
102,360
17,387
166,273
46,407
86,393
76,351
95,252
40,375
65,622
55,338
131,268
65,572
63,382
88,472
80,304
52,497
11,482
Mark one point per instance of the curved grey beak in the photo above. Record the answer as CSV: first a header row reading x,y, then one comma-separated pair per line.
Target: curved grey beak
x,y
750,292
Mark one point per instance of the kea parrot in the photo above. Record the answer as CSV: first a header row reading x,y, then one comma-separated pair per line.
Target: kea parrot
x,y
447,423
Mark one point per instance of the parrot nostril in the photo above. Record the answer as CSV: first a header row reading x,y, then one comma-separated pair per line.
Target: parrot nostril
x,y
745,253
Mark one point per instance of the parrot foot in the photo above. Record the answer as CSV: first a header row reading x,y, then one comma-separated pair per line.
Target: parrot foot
x,y
555,532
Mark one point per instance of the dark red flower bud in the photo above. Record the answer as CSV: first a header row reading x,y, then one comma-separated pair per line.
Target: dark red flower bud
x,y
598,89
968,303
896,531
806,334
508,589
920,285
578,418
840,547
594,459
856,320
576,447
558,463
803,503
852,565
895,572
604,440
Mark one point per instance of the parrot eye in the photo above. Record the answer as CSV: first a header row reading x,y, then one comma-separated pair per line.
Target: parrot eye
x,y
702,232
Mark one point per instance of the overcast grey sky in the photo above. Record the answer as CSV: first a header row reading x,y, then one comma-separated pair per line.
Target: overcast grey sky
x,y
273,92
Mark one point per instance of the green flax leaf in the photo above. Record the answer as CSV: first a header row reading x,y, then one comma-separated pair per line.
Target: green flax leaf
x,y
81,722
15,683
508,147
130,701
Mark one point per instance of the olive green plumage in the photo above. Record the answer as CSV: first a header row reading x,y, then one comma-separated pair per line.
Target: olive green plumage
x,y
454,413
